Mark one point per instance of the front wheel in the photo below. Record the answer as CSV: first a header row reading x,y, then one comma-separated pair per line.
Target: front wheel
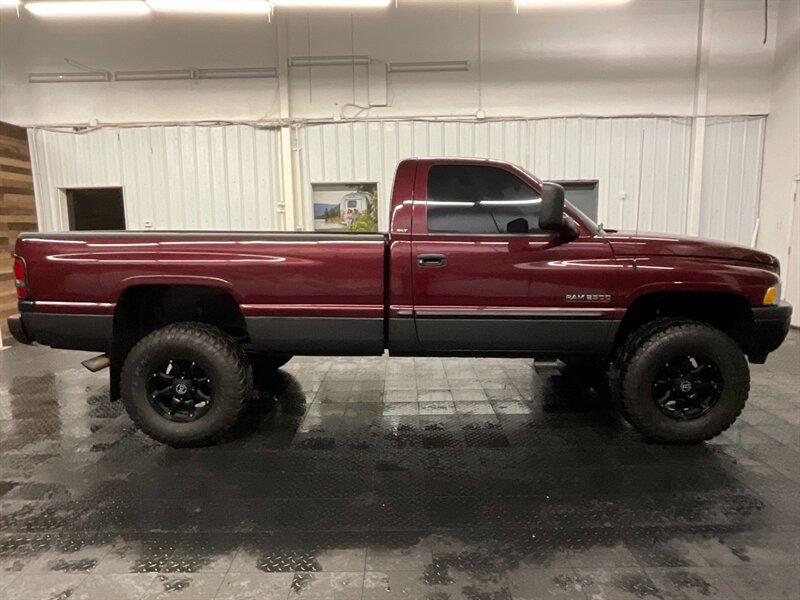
x,y
186,384
684,383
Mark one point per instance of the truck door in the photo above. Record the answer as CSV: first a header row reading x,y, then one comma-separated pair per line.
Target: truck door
x,y
486,279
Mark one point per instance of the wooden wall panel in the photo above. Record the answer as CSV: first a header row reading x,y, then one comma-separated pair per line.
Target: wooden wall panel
x,y
17,210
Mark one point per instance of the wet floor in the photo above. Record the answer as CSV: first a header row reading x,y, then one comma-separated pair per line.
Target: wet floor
x,y
394,478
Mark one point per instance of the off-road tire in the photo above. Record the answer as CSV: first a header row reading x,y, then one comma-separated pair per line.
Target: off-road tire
x,y
229,372
647,354
624,352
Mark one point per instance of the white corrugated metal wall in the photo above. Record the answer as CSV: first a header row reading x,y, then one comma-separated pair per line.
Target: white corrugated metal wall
x,y
609,150
229,177
732,178
178,177
642,164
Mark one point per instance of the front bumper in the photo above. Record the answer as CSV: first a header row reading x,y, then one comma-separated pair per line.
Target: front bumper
x,y
17,329
770,327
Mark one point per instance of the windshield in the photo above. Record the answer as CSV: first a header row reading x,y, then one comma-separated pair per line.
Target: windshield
x,y
584,218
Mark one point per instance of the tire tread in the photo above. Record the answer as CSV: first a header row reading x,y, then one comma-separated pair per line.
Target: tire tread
x,y
215,341
639,346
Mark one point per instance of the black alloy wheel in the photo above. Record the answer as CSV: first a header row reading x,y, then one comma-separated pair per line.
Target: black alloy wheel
x,y
681,381
186,384
180,390
687,387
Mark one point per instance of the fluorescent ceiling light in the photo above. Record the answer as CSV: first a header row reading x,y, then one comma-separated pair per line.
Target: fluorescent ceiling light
x,y
331,3
91,8
238,73
9,3
568,3
428,66
73,77
328,61
159,75
238,7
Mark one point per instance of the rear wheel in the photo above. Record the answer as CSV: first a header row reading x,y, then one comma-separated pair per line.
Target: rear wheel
x,y
685,382
186,384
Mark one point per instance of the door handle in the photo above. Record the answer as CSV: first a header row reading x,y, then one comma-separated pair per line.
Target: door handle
x,y
431,260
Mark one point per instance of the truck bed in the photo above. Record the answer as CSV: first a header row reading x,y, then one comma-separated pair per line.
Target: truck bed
x,y
290,287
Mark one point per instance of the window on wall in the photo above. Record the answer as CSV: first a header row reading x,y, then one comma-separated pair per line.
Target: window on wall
x,y
351,207
95,209
582,194
477,199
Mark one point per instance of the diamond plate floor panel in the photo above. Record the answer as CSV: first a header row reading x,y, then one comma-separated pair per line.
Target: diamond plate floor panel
x,y
394,478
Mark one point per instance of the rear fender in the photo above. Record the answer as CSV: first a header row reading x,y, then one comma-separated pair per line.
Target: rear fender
x,y
204,281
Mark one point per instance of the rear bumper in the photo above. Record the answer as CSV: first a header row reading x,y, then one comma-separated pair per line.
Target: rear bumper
x,y
770,327
17,329
66,331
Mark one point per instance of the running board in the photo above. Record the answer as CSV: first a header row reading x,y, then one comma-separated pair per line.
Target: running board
x,y
98,363
547,368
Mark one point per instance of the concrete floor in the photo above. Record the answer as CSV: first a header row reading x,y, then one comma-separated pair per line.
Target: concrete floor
x,y
394,478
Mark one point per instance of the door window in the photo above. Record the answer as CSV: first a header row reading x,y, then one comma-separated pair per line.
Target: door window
x,y
473,199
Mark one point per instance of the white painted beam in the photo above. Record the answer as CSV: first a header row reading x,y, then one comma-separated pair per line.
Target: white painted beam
x,y
700,104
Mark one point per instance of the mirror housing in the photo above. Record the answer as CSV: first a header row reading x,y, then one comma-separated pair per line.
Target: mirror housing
x,y
551,212
570,231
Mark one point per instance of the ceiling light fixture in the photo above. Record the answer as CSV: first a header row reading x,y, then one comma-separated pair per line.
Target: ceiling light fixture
x,y
238,73
329,61
567,3
93,8
428,66
331,3
75,77
158,75
237,7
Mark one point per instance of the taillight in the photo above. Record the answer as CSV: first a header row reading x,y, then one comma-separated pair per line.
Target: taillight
x,y
20,277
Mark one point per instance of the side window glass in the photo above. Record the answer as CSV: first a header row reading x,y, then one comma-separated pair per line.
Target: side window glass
x,y
477,199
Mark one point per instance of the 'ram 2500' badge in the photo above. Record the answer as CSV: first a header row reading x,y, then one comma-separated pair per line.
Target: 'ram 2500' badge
x,y
588,297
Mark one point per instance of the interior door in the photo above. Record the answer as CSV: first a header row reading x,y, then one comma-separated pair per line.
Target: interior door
x,y
793,266
487,279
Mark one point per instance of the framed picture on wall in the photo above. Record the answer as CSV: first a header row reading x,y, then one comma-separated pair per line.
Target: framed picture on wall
x,y
345,207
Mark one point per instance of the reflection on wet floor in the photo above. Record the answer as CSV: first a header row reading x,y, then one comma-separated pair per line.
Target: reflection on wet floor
x,y
394,478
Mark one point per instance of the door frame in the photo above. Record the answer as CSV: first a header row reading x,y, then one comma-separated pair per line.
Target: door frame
x,y
793,253
63,205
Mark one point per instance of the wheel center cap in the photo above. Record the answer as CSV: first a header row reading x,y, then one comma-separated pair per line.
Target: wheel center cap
x,y
182,388
685,386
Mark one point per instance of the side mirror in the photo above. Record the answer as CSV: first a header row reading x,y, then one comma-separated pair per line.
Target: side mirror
x,y
518,225
551,212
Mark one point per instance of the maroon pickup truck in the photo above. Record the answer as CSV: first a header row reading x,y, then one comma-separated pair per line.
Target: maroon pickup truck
x,y
482,259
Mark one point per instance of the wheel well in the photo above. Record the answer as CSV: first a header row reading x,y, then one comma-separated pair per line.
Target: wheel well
x,y
143,309
728,312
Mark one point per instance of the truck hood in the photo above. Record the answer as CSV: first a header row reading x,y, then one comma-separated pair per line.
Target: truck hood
x,y
631,244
